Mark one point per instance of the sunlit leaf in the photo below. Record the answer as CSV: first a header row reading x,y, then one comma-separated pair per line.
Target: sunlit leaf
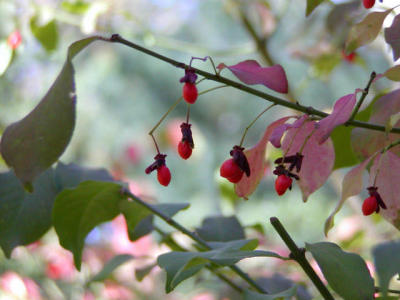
x,y
365,31
318,158
346,273
34,143
386,169
110,266
77,211
341,113
75,7
250,72
46,34
351,185
182,265
311,5
287,294
221,229
5,56
387,263
257,162
393,73
392,37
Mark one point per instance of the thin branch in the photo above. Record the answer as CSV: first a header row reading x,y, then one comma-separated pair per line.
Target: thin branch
x,y
364,94
296,106
174,244
299,256
194,237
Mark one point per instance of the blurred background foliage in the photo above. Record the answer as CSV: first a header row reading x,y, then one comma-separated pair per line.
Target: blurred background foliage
x,y
123,93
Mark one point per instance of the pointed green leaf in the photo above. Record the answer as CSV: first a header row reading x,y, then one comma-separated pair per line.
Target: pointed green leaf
x,y
34,143
182,265
387,263
25,217
5,56
366,31
287,294
110,266
392,73
311,5
141,273
77,211
346,273
221,229
46,34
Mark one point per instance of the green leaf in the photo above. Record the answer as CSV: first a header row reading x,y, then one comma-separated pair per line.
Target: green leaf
x,y
221,229
311,5
366,31
387,263
346,273
25,217
287,294
141,273
75,7
77,211
34,143
46,34
110,266
5,56
182,265
392,73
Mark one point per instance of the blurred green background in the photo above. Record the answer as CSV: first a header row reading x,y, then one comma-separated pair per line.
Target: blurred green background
x,y
122,93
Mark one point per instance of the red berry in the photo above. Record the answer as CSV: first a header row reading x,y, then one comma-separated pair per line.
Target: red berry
x,y
163,175
14,39
231,171
282,183
369,206
184,149
368,3
189,92
349,57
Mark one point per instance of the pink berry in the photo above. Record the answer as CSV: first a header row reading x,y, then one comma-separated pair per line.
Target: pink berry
x,y
189,92
184,149
368,3
231,171
14,39
163,175
282,183
369,205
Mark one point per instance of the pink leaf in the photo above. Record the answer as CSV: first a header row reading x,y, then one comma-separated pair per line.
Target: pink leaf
x,y
351,185
392,37
341,113
318,159
387,181
256,158
278,132
366,142
250,72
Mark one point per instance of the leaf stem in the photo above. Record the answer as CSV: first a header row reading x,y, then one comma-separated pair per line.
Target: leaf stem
x,y
364,94
299,256
252,123
296,106
378,290
306,140
194,237
173,244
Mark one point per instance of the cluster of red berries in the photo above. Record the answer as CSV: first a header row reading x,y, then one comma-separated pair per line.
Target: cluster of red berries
x,y
186,145
234,168
284,179
373,203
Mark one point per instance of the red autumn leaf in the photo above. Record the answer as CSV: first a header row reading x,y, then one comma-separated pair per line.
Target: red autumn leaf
x,y
392,37
341,113
366,142
278,132
351,185
250,72
318,158
386,168
256,158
